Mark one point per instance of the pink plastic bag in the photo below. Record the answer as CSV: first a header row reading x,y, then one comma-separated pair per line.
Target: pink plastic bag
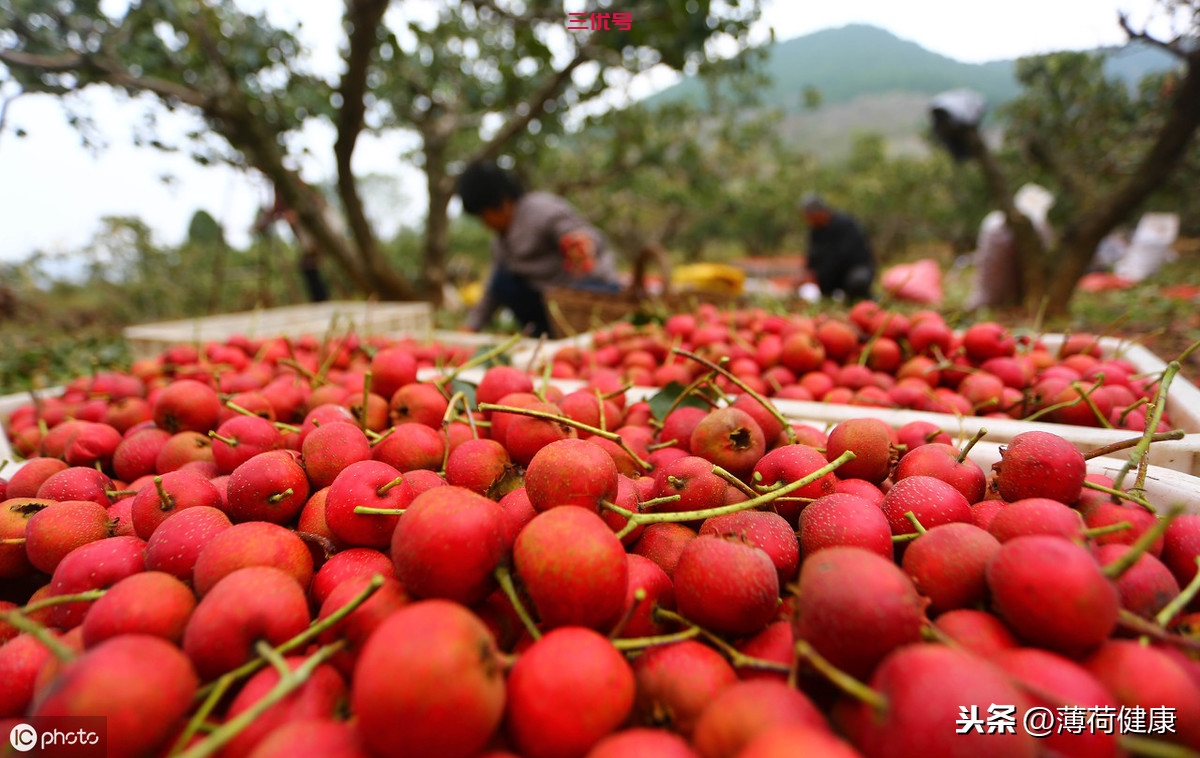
x,y
917,282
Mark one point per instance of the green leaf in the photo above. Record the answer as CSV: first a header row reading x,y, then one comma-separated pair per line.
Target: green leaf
x,y
662,401
499,360
467,388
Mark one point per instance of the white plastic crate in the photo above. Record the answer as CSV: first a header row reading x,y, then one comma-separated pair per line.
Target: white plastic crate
x,y
318,319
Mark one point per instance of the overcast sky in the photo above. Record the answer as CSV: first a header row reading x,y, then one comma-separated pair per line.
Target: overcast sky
x,y
53,192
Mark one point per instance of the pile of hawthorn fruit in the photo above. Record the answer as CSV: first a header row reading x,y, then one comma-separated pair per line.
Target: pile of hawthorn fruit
x,y
280,549
876,357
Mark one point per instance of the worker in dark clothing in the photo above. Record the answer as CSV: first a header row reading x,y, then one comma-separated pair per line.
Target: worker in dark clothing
x,y
541,241
839,255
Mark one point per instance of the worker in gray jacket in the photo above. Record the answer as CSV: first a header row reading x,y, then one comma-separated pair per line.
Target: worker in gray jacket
x,y
541,241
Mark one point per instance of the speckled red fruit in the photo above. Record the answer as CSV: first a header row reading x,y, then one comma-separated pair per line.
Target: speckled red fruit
x,y
566,692
871,442
948,564
571,472
1052,593
726,585
1040,464
428,684
855,607
573,567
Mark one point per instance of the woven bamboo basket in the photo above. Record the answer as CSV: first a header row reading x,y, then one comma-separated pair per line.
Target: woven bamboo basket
x,y
575,311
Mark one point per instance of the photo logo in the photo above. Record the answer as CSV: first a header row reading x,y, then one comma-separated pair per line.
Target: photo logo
x,y
23,738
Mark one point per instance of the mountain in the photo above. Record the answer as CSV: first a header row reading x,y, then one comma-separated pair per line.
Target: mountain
x,y
869,79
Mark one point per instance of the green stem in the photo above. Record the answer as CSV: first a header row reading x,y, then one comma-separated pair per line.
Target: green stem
x,y
634,519
40,633
655,502
737,658
1100,531
638,643
363,510
288,683
50,602
280,496
385,488
1145,747
1180,601
733,480
1087,398
1131,622
765,403
1116,447
1121,494
1118,567
301,640
971,443
567,421
639,597
231,441
1141,452
840,679
165,501
198,721
912,517
366,401
504,576
480,359
694,387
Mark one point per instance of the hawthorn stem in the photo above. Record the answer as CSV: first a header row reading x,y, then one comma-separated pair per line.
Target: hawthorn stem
x,y
737,658
13,541
1153,418
40,633
733,480
231,441
1180,601
639,643
765,403
480,359
840,679
912,517
198,720
289,681
639,597
634,519
657,501
1133,623
1118,567
693,388
315,630
1087,398
504,576
1116,447
50,602
280,496
165,501
962,456
363,510
1145,747
567,421
383,489
1100,531
1122,494
366,398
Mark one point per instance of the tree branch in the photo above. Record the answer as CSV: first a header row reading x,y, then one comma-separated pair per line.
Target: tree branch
x,y
535,106
1173,46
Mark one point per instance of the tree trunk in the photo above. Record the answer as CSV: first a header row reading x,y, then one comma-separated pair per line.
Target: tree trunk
x,y
437,222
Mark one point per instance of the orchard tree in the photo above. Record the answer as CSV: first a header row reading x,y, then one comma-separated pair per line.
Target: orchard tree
x,y
1104,150
473,82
